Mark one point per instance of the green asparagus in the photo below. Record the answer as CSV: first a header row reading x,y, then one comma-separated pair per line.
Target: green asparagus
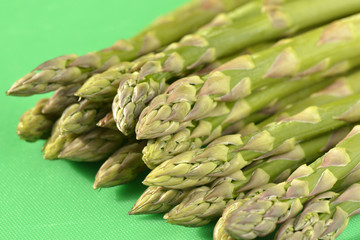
x,y
95,145
56,142
323,50
103,87
278,202
121,167
203,204
342,87
61,99
219,229
179,59
70,69
107,122
203,131
230,153
206,46
33,124
157,200
82,117
324,217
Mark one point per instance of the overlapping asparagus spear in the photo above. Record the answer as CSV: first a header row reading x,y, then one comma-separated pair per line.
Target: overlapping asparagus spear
x,y
93,146
158,200
33,124
206,46
103,87
202,132
107,122
121,167
69,69
321,50
324,217
230,153
98,144
219,229
342,87
204,204
98,90
61,99
262,209
56,142
82,117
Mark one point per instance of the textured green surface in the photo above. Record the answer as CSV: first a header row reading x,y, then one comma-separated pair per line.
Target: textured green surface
x,y
41,199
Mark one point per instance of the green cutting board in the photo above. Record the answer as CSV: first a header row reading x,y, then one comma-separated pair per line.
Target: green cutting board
x,y
42,199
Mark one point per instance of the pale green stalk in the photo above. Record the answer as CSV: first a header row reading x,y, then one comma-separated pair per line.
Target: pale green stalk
x,y
267,206
69,69
230,153
324,217
204,204
324,51
33,124
205,46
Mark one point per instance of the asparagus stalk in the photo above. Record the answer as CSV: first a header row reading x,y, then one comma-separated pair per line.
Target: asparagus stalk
x,y
204,204
107,122
204,131
82,117
279,202
61,99
157,200
219,229
56,142
103,87
121,167
315,52
205,46
342,87
33,124
95,145
230,153
192,137
324,217
69,69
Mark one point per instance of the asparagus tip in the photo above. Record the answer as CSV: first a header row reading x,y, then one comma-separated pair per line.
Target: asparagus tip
x,y
96,185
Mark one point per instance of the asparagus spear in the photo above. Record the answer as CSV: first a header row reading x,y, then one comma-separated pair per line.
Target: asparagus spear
x,y
157,200
69,69
56,142
107,122
95,145
206,46
121,167
61,99
33,124
103,87
233,112
320,50
203,204
342,87
260,212
324,217
82,117
202,132
230,153
219,229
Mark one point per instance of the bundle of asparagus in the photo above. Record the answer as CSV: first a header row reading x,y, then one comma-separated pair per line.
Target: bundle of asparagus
x,y
234,126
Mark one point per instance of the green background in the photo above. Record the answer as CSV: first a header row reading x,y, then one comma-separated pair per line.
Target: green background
x,y
42,199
